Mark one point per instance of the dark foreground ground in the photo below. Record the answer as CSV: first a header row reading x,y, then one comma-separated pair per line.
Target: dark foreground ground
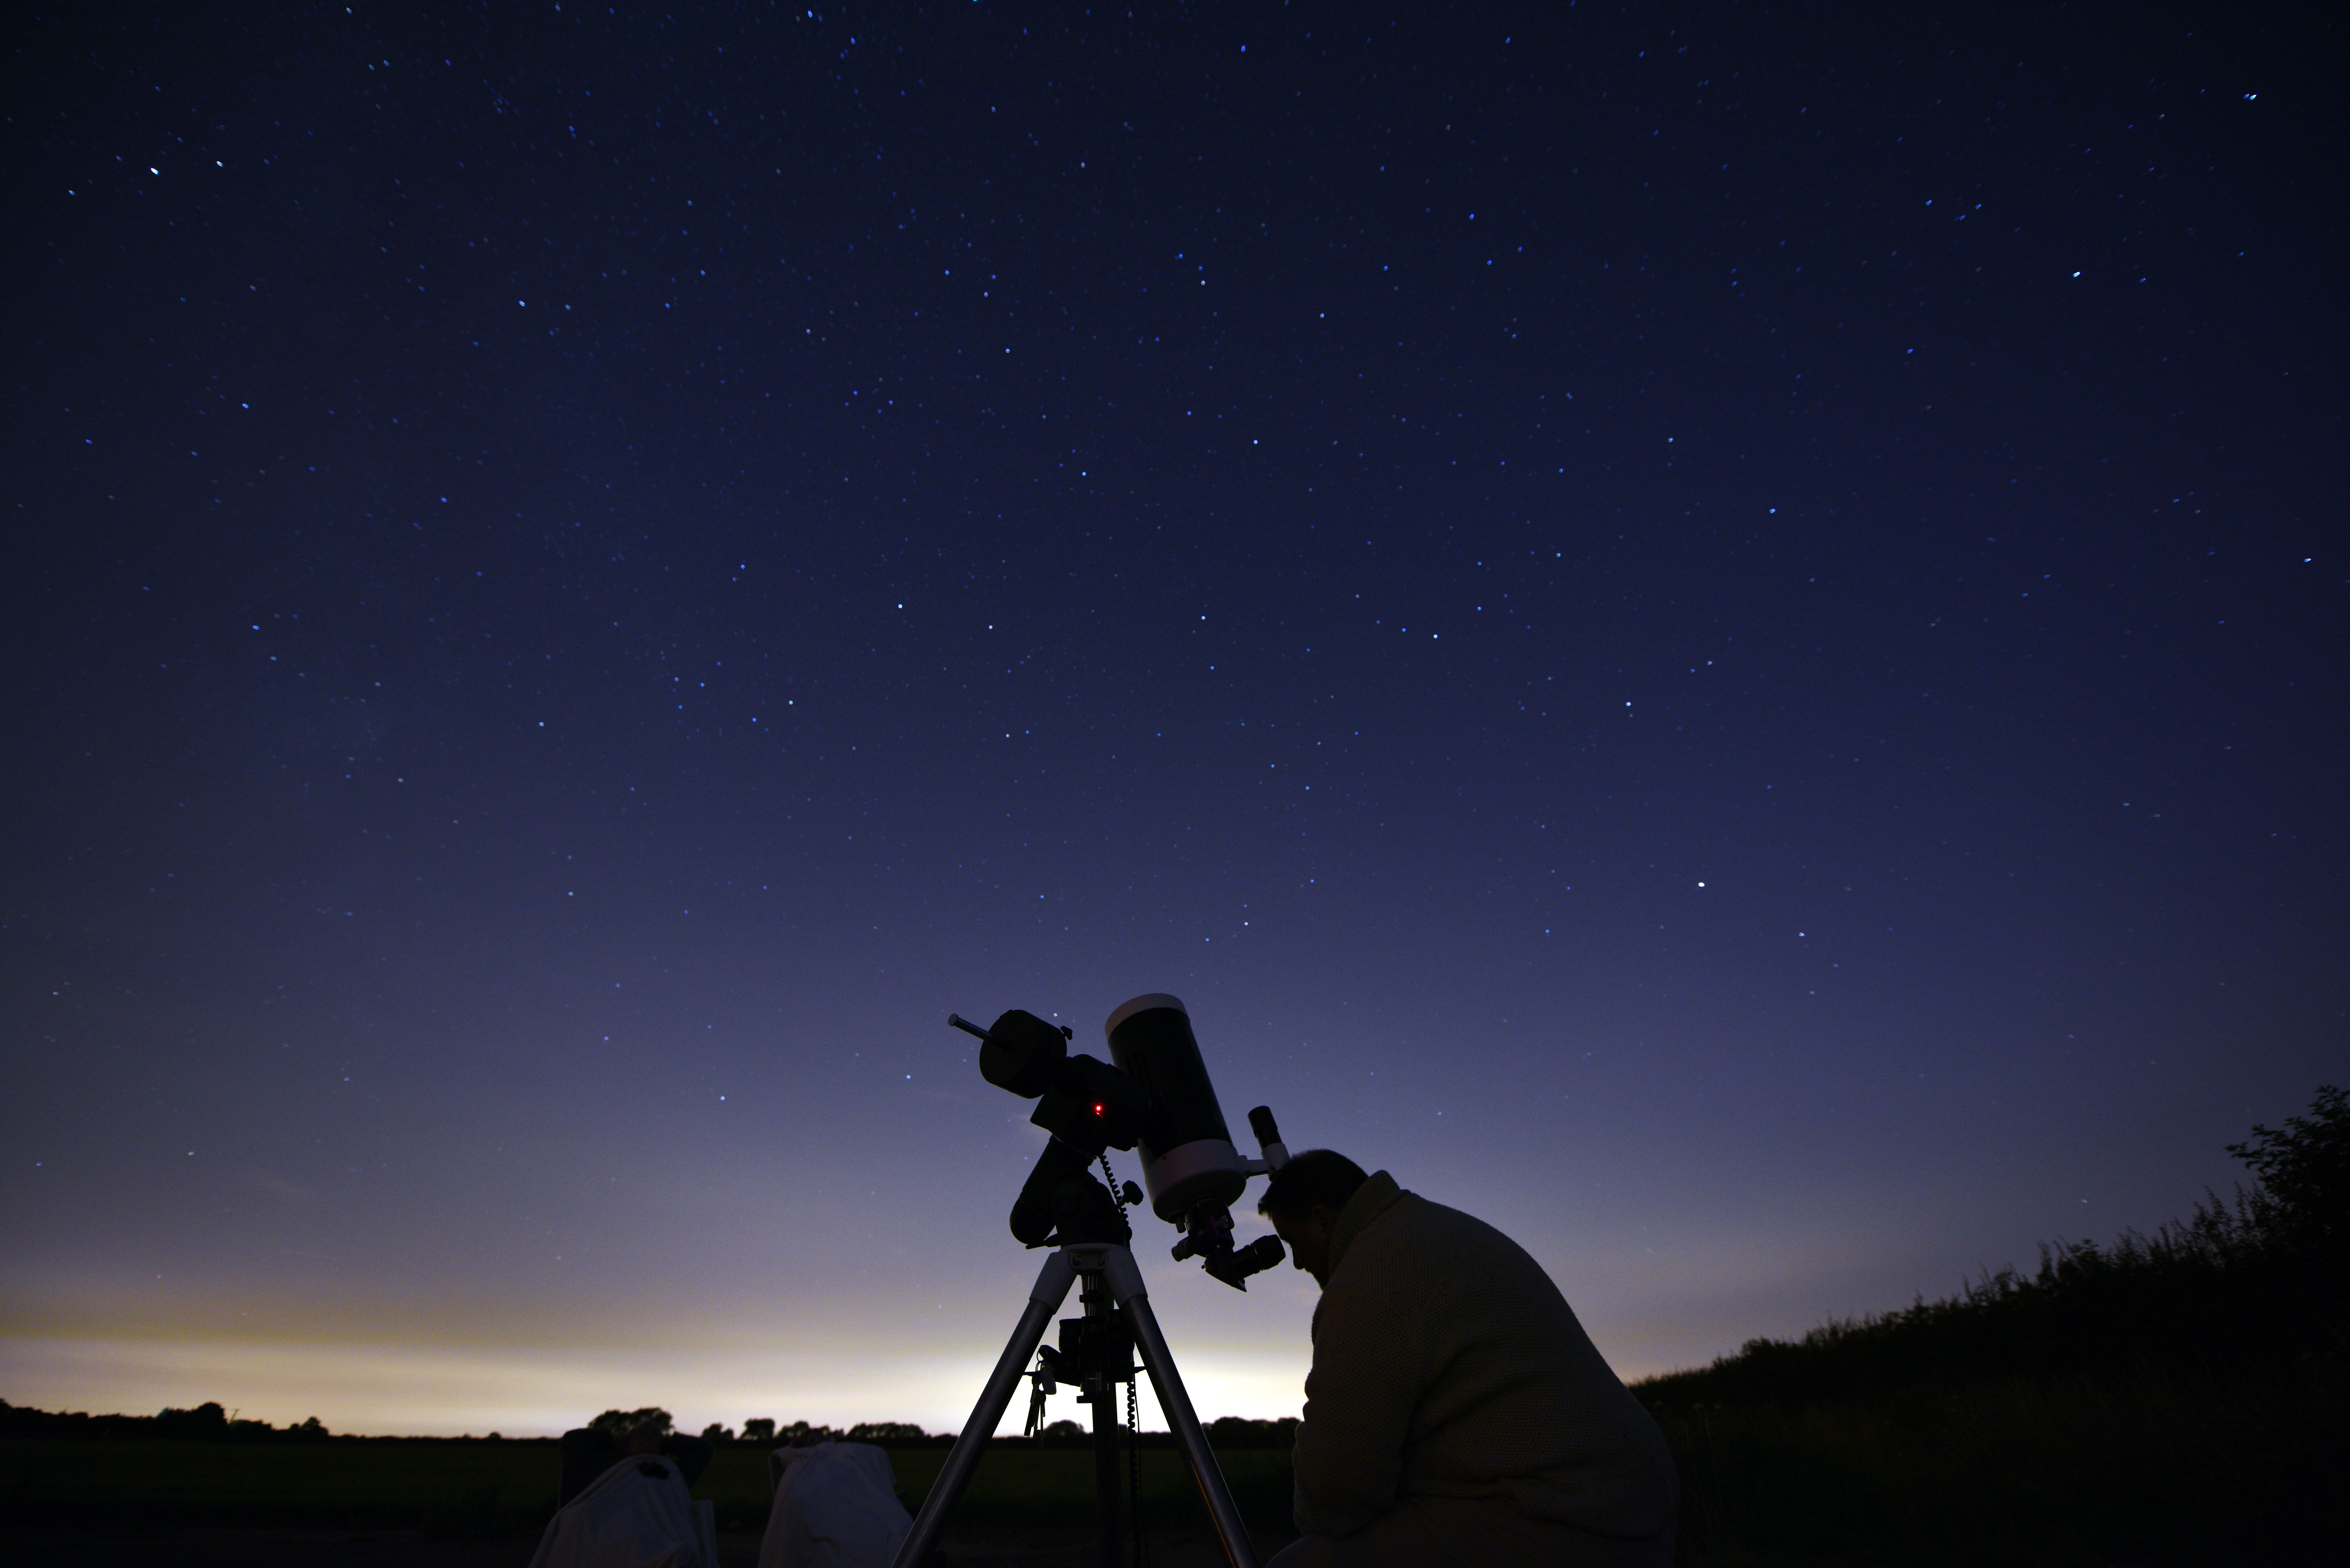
x,y
1003,1547
378,1503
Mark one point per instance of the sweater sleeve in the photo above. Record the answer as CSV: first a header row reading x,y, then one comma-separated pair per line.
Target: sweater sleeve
x,y
1360,1398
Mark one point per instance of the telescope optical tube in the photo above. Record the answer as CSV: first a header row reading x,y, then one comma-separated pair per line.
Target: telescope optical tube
x,y
1188,1157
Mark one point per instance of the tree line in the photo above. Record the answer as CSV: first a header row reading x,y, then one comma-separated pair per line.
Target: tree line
x,y
212,1423
761,1431
208,1423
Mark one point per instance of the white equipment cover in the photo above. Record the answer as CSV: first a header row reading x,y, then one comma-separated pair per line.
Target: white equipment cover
x,y
836,1507
637,1514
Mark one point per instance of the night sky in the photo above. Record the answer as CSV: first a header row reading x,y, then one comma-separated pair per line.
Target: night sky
x,y
1715,634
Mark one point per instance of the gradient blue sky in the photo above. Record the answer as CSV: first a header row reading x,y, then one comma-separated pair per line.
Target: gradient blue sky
x,y
1716,636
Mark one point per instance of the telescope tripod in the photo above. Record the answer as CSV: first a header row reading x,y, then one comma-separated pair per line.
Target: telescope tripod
x,y
1098,1360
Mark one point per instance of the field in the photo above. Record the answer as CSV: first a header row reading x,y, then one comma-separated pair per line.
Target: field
x,y
263,1500
2147,1469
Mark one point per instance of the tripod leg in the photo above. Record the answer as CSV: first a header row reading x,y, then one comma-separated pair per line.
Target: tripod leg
x,y
1125,1283
1044,1298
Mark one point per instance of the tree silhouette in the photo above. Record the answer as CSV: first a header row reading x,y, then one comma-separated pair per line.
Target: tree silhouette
x,y
628,1420
2304,1170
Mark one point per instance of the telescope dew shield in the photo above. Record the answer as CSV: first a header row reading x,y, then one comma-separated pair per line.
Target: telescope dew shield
x,y
1188,1157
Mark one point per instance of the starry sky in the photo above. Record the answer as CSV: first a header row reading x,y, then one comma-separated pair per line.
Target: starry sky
x,y
1714,633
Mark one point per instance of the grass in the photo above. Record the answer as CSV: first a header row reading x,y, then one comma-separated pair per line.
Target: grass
x,y
452,1487
2144,1470
1028,1485
1019,1486
479,1487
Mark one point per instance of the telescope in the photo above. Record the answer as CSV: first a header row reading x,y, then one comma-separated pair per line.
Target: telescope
x,y
1154,1092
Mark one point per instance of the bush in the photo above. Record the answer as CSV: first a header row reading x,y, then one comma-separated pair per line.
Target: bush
x,y
2164,1398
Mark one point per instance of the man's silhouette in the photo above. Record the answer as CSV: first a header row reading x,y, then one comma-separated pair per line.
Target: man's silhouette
x,y
1456,1411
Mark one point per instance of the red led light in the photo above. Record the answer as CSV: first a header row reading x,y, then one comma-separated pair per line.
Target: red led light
x,y
1097,1110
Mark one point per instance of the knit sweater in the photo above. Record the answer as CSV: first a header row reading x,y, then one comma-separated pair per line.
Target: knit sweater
x,y
1447,1364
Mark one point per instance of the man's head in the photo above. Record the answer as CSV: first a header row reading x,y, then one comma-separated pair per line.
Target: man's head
x,y
1303,1200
